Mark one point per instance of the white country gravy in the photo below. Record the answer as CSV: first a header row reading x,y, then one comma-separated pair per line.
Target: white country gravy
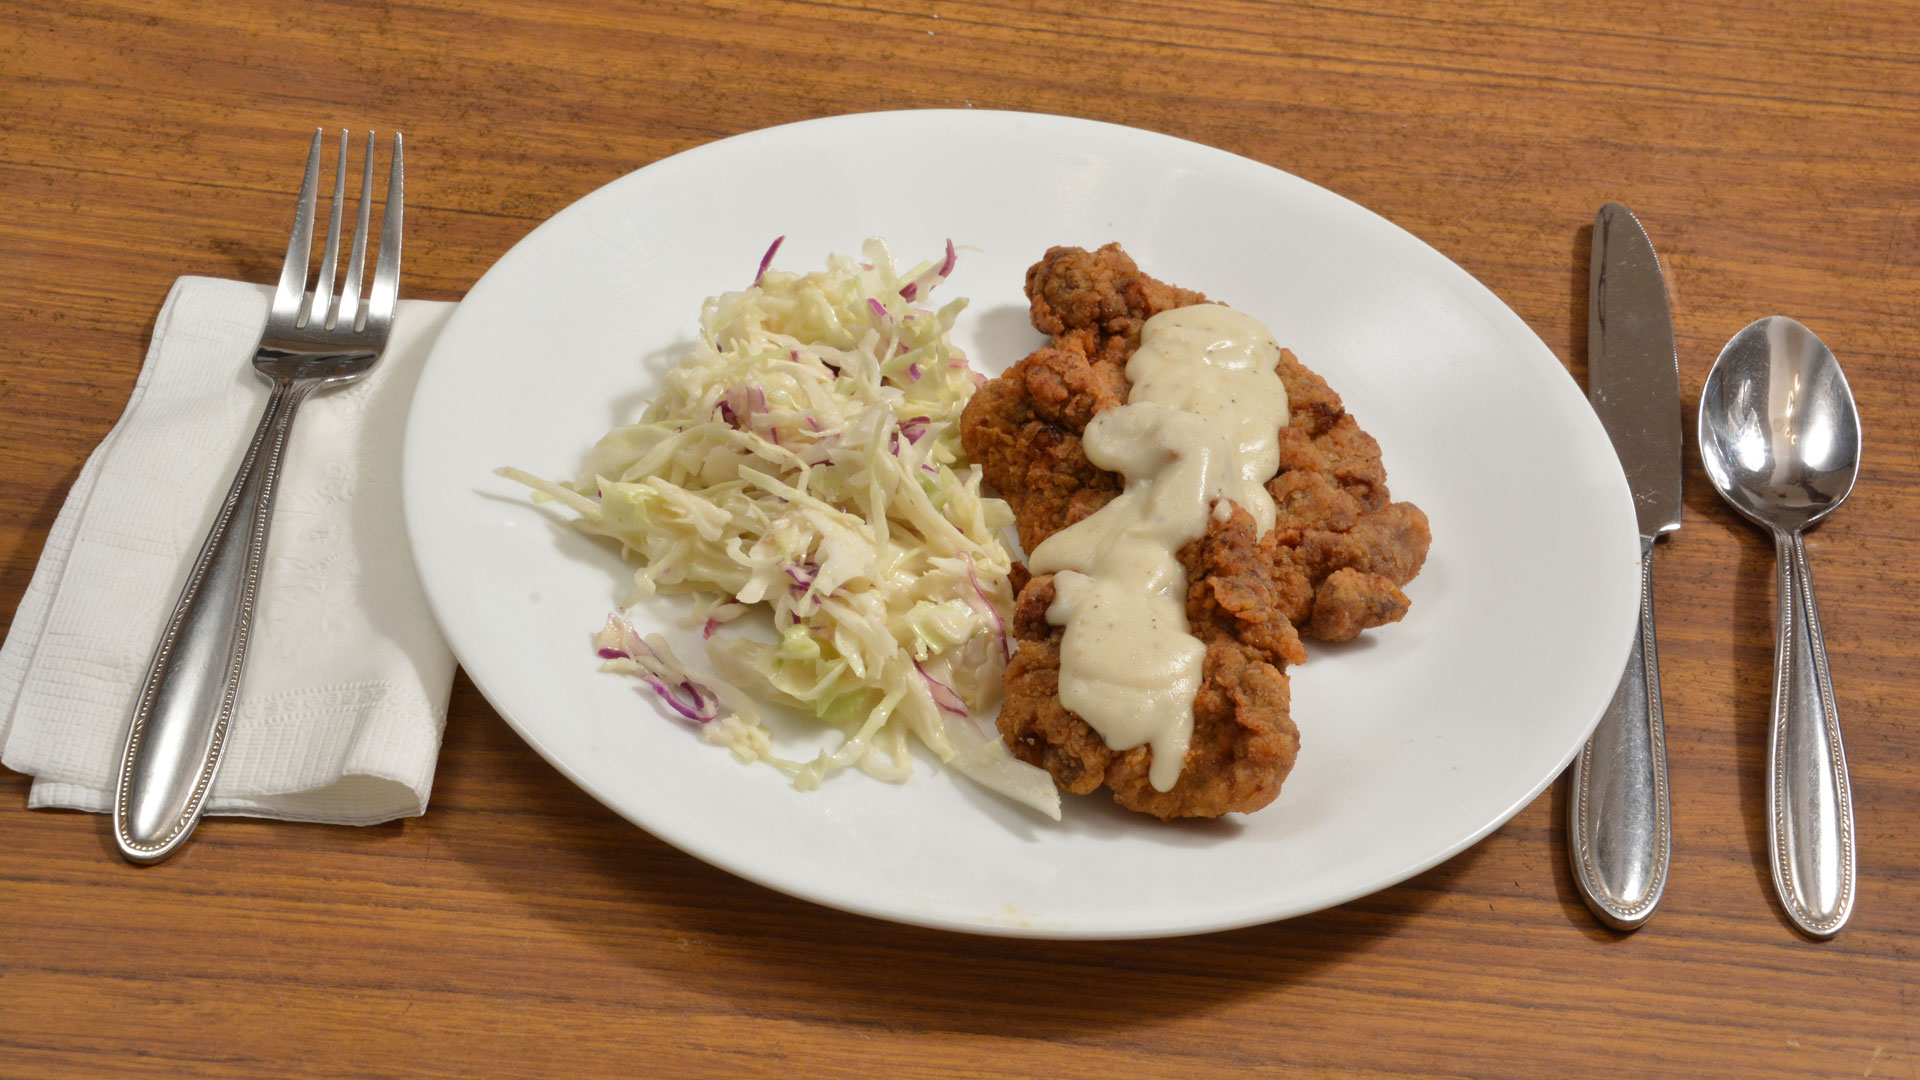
x,y
1200,425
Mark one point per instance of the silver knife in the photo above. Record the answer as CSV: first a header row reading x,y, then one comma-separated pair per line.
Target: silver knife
x,y
1618,832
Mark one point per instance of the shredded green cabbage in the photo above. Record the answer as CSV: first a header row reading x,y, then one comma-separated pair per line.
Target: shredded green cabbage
x,y
805,455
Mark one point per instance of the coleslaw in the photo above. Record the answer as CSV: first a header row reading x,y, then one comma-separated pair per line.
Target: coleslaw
x,y
805,456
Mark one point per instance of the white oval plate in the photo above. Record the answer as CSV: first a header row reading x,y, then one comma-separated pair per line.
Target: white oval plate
x,y
1416,741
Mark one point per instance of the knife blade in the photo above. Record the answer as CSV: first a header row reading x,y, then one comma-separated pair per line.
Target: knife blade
x,y
1633,370
1619,832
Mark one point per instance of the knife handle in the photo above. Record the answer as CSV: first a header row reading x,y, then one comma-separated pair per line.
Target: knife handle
x,y
1809,802
179,723
1619,836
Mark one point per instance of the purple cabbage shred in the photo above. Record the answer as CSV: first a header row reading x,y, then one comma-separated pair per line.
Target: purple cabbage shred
x,y
740,404
943,695
999,628
699,705
767,259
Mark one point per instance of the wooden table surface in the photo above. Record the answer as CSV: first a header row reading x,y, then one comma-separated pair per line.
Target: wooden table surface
x,y
520,929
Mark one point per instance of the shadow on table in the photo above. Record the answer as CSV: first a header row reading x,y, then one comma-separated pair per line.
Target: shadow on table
x,y
1580,270
643,904
18,566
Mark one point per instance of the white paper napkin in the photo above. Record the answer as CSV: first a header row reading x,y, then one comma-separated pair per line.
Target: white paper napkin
x,y
345,693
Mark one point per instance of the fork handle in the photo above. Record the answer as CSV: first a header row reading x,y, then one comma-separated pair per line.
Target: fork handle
x,y
179,724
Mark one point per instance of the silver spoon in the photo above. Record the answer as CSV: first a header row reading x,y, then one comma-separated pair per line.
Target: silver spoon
x,y
1780,439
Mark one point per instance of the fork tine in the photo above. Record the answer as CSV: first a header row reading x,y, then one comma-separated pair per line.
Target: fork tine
x,y
323,288
293,273
386,272
348,309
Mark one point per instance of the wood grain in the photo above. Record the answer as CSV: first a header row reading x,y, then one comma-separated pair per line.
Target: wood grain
x,y
520,929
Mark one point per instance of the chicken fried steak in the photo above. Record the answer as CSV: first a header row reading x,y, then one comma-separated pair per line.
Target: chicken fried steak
x,y
1330,568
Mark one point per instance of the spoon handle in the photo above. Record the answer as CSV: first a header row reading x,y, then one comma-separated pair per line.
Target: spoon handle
x,y
1809,803
1618,834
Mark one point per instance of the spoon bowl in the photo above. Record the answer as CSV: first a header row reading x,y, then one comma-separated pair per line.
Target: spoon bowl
x,y
1779,434
1780,438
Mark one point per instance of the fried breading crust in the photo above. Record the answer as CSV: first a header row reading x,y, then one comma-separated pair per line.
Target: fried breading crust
x,y
1243,741
1331,567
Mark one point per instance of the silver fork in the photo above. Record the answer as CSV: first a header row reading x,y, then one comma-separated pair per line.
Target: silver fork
x,y
312,340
